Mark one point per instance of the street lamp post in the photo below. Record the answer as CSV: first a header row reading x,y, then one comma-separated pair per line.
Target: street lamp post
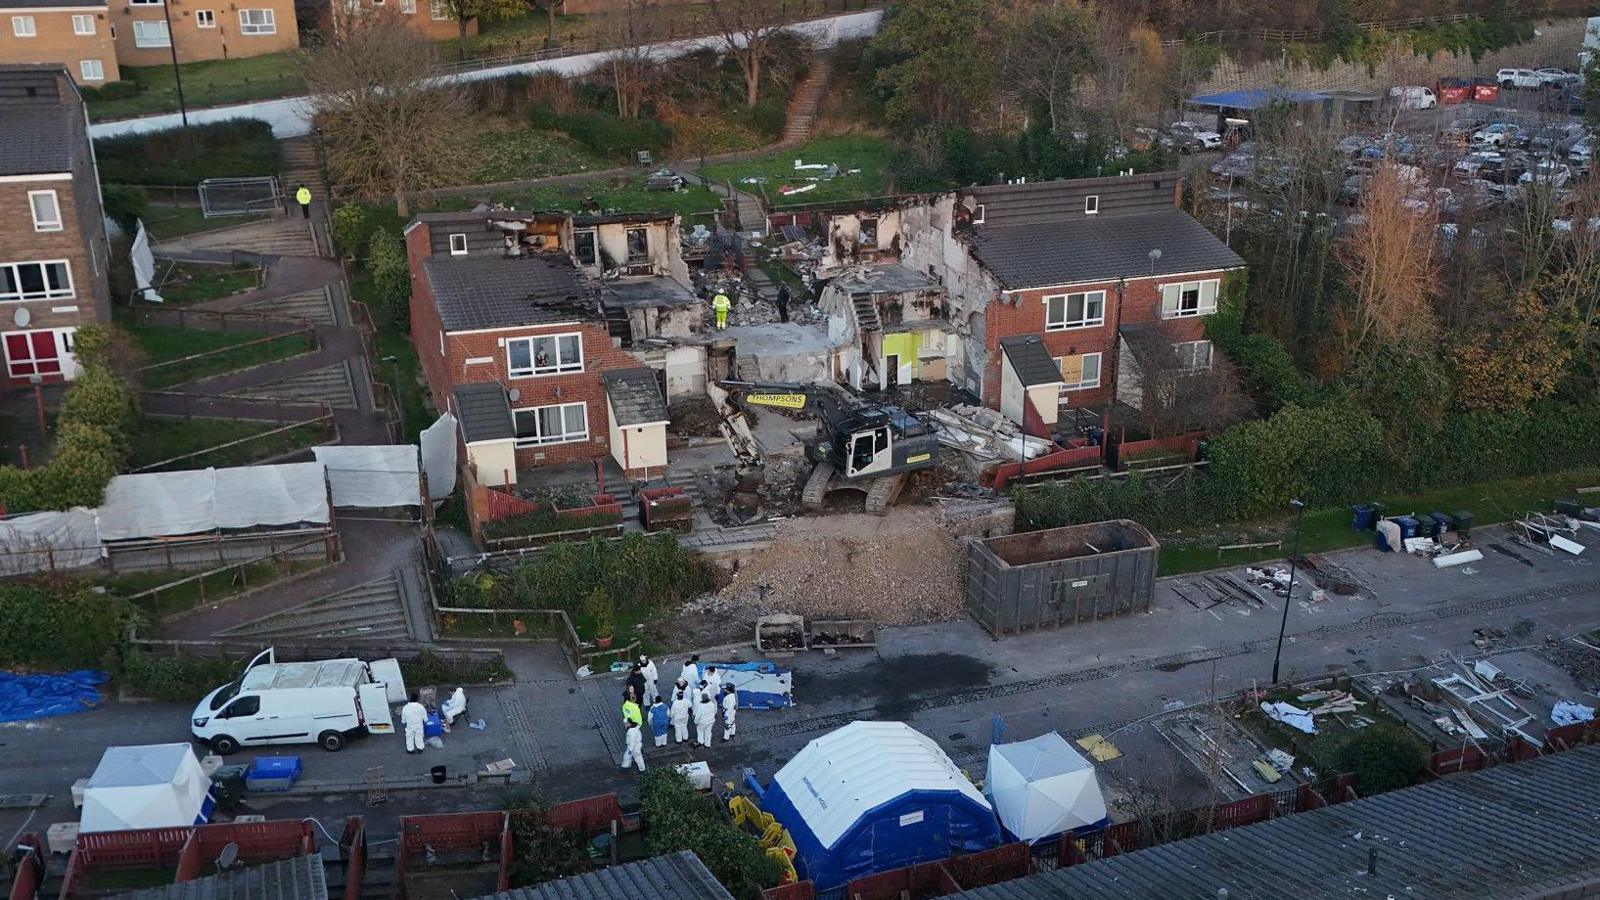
x,y
1299,510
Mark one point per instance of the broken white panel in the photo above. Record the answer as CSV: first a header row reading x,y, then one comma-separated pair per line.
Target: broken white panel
x,y
47,541
1290,715
439,457
1456,559
1570,546
144,265
373,477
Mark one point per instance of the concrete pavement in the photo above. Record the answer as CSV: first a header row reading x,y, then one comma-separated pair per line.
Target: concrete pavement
x,y
949,680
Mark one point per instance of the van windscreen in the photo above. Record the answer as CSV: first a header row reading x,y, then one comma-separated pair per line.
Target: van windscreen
x,y
224,695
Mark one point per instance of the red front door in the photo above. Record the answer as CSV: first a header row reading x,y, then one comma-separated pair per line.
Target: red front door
x,y
30,353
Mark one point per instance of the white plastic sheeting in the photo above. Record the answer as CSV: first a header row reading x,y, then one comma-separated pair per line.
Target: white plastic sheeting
x,y
47,541
158,504
372,477
144,265
439,457
1043,787
154,786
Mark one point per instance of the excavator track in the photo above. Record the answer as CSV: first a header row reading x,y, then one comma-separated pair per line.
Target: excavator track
x,y
816,489
883,493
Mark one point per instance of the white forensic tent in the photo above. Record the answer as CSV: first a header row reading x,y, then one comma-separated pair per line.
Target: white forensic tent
x,y
153,786
160,504
373,476
1043,787
48,541
439,457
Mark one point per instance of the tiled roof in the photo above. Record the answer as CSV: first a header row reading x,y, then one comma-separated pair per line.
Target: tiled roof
x,y
8,5
1061,253
1033,362
1526,829
676,876
299,878
484,412
635,396
497,292
36,140
647,292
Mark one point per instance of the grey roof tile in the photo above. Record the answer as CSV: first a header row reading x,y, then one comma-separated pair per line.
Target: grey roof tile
x,y
1060,253
7,5
676,876
1511,831
36,140
635,396
299,878
497,292
484,411
1033,362
646,292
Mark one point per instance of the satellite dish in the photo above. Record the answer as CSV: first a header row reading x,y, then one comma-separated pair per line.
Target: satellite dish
x,y
22,317
229,856
514,394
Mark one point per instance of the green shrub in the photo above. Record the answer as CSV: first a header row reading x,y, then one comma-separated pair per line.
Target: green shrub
x,y
60,626
602,611
101,398
677,817
1382,757
1321,455
431,668
605,133
184,156
349,227
391,277
639,572
116,90
543,853
544,521
176,677
126,204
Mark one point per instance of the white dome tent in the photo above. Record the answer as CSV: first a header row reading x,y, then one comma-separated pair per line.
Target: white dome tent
x,y
154,786
1043,787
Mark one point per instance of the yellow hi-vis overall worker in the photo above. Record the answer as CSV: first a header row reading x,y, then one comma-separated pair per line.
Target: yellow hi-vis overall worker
x,y
303,197
720,304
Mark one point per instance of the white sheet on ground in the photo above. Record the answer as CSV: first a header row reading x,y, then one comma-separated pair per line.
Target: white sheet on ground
x,y
144,264
1043,787
439,457
160,504
46,541
1290,715
372,477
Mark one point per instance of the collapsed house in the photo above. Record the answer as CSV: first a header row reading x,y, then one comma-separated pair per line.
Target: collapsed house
x,y
888,325
555,338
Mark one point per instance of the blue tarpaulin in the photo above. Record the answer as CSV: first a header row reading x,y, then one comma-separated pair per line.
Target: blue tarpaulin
x,y
24,697
758,685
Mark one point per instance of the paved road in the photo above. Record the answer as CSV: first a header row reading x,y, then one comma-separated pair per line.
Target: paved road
x,y
949,680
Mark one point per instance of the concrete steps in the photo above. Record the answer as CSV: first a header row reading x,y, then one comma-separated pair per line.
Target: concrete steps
x,y
333,385
680,479
297,165
866,313
313,306
371,611
801,120
277,236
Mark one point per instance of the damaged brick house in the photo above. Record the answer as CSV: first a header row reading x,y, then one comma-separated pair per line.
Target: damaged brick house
x,y
549,335
1044,280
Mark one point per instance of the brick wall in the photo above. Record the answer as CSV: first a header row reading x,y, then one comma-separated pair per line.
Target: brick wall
x,y
225,40
1024,313
56,41
421,20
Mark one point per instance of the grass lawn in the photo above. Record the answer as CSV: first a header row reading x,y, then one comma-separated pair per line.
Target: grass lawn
x,y
515,153
622,195
865,152
158,439
1329,529
198,282
390,340
168,222
210,589
216,82
164,343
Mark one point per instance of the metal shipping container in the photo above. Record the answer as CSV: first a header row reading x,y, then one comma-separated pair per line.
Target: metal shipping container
x,y
1061,576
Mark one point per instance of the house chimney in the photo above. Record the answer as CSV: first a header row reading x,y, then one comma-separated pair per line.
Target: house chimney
x,y
1372,861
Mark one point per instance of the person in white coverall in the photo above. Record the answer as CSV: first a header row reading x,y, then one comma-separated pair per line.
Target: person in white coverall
x,y
730,708
713,681
691,672
705,716
679,713
633,748
647,666
412,717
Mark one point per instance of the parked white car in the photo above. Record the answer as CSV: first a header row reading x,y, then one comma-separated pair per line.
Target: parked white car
x,y
323,702
1201,137
1413,96
1500,134
1556,77
1518,78
1546,172
1581,153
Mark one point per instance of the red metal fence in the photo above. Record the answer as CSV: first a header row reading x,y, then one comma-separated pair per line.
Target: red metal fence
x,y
1082,456
29,868
452,832
353,850
258,842
185,850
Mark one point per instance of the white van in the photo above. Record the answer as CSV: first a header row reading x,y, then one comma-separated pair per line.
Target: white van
x,y
321,702
1413,96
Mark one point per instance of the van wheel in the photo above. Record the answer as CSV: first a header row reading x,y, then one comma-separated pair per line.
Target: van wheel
x,y
1507,85
224,745
331,741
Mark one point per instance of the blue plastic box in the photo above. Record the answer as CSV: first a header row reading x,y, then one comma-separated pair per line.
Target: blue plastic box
x,y
272,773
433,726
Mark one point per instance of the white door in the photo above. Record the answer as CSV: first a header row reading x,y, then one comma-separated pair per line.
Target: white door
x,y
374,701
388,672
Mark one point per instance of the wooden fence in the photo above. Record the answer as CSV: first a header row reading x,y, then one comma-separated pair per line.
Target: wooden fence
x,y
237,573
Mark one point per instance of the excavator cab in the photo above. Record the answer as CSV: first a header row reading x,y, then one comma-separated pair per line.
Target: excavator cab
x,y
869,452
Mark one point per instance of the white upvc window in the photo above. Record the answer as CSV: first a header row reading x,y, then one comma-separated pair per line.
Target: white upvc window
x,y
1083,310
1079,373
551,354
1193,356
23,27
146,2
440,11
977,214
151,34
205,18
458,245
408,7
1189,298
561,423
1091,205
91,70
83,24
258,21
45,280
45,206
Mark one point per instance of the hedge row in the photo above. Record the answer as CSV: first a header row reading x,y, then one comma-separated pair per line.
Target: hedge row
x,y
59,626
677,817
638,570
235,148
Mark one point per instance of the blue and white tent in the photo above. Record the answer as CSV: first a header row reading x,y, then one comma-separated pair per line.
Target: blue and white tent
x,y
874,796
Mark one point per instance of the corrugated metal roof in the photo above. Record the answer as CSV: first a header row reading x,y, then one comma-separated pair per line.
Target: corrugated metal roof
x,y
299,878
484,411
635,396
495,292
1062,253
1033,362
676,876
1510,831
840,777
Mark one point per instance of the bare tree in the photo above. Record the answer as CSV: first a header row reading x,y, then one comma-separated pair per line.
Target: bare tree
x,y
465,11
747,28
1391,259
390,128
549,8
629,27
1183,387
1046,52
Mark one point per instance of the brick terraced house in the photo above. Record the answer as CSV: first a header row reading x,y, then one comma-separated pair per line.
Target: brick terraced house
x,y
54,256
77,34
520,320
201,29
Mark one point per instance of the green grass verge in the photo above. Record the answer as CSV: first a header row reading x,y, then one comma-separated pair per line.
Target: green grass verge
x,y
158,439
866,152
168,222
210,589
216,82
199,282
624,195
518,153
1329,529
391,340
163,343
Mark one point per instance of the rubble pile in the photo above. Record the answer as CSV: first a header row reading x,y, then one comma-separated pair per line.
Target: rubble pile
x,y
748,310
902,568
985,433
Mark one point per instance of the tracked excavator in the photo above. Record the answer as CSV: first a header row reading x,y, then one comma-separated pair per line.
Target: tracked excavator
x,y
860,445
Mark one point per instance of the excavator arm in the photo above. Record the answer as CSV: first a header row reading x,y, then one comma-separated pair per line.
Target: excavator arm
x,y
818,399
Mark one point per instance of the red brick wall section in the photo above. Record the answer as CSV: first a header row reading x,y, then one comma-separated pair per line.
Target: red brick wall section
x,y
1024,313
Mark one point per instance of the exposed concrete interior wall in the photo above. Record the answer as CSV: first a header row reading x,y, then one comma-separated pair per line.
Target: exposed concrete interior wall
x,y
930,245
493,461
684,365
